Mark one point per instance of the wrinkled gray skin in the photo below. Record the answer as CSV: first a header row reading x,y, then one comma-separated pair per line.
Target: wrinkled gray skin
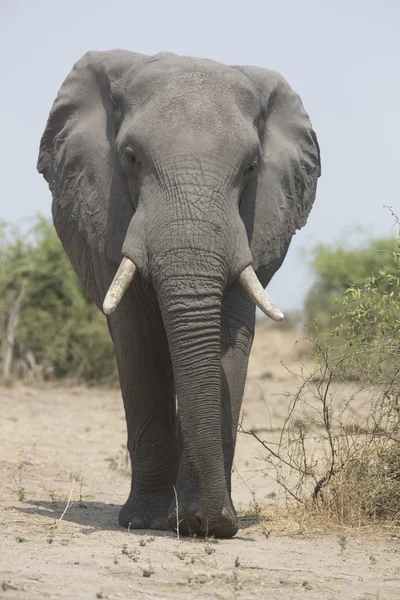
x,y
194,170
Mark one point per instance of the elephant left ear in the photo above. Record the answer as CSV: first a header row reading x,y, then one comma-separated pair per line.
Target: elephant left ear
x,y
288,173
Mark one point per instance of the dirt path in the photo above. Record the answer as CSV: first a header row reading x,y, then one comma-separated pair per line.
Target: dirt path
x,y
53,436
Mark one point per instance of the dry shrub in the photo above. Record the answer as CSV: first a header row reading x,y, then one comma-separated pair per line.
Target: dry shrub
x,y
367,488
337,457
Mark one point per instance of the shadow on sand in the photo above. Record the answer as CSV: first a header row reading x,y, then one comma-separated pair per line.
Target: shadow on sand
x,y
95,516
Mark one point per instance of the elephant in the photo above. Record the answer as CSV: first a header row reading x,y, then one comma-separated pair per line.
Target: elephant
x,y
177,185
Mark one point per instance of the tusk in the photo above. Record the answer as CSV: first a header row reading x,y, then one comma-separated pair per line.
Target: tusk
x,y
255,290
120,283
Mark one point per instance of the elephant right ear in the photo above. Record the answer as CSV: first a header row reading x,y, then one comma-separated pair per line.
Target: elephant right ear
x,y
91,201
287,176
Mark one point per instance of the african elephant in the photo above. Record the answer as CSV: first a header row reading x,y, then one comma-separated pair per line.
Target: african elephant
x,y
177,185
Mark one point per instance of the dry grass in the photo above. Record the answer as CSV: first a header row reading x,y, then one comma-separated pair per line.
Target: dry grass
x,y
367,488
343,510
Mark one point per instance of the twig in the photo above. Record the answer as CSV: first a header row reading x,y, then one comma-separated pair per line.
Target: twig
x,y
291,465
69,500
177,514
265,444
243,480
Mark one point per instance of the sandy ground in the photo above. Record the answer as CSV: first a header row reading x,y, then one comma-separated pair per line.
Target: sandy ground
x,y
66,442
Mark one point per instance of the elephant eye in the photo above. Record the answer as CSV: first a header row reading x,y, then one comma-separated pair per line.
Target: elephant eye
x,y
253,166
130,155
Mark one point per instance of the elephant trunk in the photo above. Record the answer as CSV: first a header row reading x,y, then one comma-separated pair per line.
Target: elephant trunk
x,y
190,305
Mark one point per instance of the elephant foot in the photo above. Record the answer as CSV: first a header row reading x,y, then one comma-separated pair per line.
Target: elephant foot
x,y
146,510
193,520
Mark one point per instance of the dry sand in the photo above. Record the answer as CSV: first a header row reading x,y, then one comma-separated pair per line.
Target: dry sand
x,y
59,442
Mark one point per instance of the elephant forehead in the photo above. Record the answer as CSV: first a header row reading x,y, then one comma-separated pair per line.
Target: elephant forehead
x,y
192,83
183,127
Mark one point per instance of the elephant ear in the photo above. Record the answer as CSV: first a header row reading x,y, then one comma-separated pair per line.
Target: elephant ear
x,y
91,201
288,173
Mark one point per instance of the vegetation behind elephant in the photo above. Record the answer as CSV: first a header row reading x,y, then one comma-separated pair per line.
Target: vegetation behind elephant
x,y
177,185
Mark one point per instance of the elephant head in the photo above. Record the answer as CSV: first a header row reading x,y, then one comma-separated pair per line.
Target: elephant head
x,y
186,175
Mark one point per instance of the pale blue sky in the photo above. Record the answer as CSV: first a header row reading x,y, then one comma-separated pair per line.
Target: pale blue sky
x,y
342,57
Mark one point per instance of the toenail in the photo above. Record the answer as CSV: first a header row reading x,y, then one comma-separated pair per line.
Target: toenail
x,y
199,519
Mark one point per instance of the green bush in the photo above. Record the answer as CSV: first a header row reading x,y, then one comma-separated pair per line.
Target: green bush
x,y
66,333
339,269
368,325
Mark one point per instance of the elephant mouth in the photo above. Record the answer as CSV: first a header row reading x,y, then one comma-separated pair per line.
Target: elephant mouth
x,y
247,278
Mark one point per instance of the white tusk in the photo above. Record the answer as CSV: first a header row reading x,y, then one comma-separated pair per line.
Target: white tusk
x,y
255,290
120,283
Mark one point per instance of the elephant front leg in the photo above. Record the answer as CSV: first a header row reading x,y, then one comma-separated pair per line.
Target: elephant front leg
x,y
149,400
238,322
